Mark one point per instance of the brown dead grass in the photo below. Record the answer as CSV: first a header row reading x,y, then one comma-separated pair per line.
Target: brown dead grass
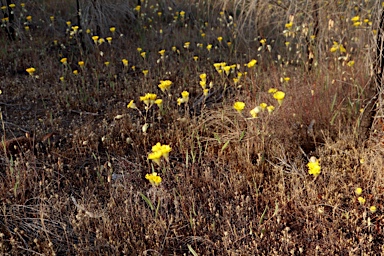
x,y
233,185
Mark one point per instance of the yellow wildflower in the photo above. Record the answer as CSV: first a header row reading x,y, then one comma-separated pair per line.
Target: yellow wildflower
x,y
159,102
64,61
358,191
132,104
227,70
203,77
164,85
272,90
252,63
263,105
153,178
270,109
289,25
148,98
286,79
185,96
373,209
279,96
254,112
125,62
239,106
361,200
314,167
161,52
31,71
95,38
351,63
355,19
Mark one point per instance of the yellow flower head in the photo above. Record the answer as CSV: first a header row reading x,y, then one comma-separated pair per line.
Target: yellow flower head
x,y
361,200
286,79
227,70
252,63
164,85
162,52
159,151
239,106
156,147
132,104
165,149
148,98
159,102
209,47
254,112
355,19
64,61
153,178
263,41
31,71
81,63
137,8
95,39
109,39
125,62
203,77
180,101
314,167
270,109
112,29
358,191
351,63
279,96
185,96
220,38
263,105
145,72
373,209
217,66
289,25
186,45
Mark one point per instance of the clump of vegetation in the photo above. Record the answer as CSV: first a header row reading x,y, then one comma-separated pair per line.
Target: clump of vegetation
x,y
199,128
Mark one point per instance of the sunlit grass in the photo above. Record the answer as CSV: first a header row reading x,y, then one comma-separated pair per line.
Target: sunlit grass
x,y
209,129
